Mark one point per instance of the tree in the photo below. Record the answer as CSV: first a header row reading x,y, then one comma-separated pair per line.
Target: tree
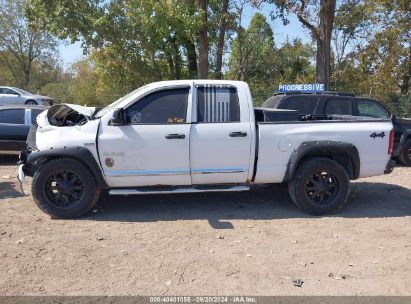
x,y
203,40
319,19
255,58
172,39
352,21
293,62
389,48
252,51
20,45
221,39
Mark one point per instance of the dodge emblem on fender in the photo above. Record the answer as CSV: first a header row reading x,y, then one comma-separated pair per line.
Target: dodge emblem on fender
x,y
109,162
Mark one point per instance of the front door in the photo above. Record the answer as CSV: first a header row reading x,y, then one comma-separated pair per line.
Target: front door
x,y
220,142
10,96
153,148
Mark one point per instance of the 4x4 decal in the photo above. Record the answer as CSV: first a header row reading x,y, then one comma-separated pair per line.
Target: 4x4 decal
x,y
375,135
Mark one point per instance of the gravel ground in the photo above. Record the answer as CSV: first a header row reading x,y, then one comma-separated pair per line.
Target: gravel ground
x,y
253,243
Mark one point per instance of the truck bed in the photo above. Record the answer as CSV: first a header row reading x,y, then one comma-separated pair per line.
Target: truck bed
x,y
277,140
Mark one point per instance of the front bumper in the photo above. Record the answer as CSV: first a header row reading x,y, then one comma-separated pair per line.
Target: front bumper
x,y
24,168
20,166
390,166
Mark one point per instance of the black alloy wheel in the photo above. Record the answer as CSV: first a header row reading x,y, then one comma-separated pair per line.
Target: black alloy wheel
x,y
322,187
64,188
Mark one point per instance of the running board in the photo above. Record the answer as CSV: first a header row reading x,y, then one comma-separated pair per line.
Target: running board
x,y
143,191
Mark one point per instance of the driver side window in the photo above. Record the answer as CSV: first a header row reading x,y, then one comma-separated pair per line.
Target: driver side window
x,y
162,107
8,91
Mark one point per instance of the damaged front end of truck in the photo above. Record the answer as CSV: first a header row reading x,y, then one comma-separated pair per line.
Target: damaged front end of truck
x,y
64,130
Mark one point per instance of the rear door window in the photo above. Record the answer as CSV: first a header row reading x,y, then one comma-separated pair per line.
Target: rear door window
x,y
12,116
339,106
302,104
217,104
371,108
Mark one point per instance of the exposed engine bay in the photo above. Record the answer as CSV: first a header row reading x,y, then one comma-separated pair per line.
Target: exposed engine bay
x,y
63,115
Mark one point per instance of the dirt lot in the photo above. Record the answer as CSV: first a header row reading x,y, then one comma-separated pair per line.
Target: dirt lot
x,y
252,243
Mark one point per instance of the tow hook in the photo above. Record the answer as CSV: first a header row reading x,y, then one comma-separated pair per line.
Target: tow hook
x,y
390,166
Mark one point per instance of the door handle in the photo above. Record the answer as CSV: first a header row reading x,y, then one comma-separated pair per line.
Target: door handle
x,y
175,136
238,134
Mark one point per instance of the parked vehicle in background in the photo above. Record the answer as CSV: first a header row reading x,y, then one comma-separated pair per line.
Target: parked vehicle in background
x,y
15,122
12,95
324,103
197,136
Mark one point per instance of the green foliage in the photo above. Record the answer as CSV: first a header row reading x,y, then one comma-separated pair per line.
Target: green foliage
x,y
400,104
22,48
131,43
255,58
79,86
372,51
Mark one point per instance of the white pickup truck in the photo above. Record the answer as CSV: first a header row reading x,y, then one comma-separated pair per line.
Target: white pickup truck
x,y
198,136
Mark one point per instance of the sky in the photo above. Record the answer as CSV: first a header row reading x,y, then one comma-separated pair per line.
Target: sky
x,y
71,53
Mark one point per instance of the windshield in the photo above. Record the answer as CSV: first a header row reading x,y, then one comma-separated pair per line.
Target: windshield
x,y
117,102
21,91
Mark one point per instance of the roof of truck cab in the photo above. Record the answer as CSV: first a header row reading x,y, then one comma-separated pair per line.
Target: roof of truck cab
x,y
196,81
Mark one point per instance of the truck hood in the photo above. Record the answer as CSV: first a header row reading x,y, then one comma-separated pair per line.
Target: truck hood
x,y
33,96
58,108
63,115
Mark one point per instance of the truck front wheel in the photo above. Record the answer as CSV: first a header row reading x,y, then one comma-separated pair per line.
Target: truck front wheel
x,y
320,186
64,188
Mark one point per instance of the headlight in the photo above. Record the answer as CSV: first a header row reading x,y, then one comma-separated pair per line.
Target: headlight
x,y
49,101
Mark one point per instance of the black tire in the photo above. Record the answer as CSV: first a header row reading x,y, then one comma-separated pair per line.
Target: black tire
x,y
405,157
320,186
64,188
31,102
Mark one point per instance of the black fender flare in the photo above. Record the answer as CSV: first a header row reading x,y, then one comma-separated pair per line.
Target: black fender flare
x,y
329,149
35,158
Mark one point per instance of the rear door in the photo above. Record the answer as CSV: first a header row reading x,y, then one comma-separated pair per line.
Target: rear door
x,y
220,139
13,129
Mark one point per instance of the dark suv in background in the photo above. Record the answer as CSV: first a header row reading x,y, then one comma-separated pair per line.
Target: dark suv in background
x,y
346,104
15,123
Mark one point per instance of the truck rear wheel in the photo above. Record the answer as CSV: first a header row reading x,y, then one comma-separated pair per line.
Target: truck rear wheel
x,y
64,188
405,157
320,186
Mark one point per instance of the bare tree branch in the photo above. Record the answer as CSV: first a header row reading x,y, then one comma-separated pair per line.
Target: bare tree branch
x,y
300,16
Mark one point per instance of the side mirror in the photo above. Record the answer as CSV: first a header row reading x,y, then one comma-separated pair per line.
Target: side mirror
x,y
119,118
